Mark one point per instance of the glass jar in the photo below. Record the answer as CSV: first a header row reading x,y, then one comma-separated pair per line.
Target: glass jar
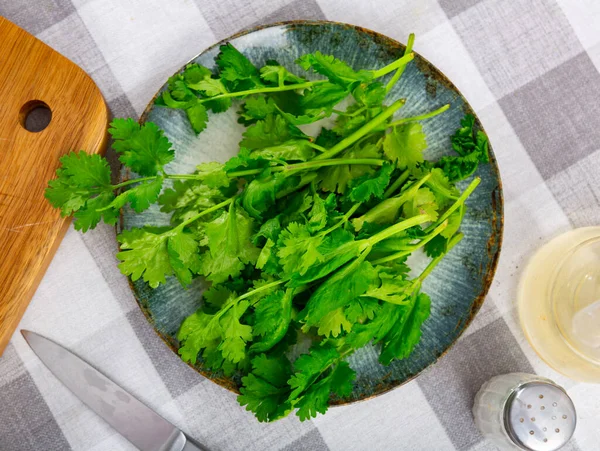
x,y
519,411
559,304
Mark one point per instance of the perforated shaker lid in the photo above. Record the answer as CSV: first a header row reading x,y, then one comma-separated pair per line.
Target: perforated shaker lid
x,y
540,416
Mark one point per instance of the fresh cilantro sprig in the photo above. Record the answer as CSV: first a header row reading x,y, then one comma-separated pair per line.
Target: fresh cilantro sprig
x,y
296,235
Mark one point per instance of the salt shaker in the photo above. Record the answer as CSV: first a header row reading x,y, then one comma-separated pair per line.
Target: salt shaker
x,y
519,411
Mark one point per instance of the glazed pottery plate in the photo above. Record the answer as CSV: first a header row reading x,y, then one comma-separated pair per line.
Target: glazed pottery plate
x,y
457,286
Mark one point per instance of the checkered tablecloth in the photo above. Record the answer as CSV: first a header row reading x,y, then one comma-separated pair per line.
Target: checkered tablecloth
x,y
530,69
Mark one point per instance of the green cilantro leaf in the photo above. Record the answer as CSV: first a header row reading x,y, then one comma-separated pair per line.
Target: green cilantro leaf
x,y
229,245
178,95
376,328
462,140
336,250
80,177
400,341
351,120
338,290
83,187
265,391
194,74
144,149
436,247
243,161
369,94
322,97
184,257
336,178
271,131
213,174
279,75
472,148
298,249
327,138
236,68
272,316
199,78
88,216
270,230
188,198
141,196
267,260
316,398
456,168
292,150
361,309
217,295
388,210
256,108
303,119
366,186
197,332
392,289
445,192
334,323
235,334
405,145
308,367
439,244
259,194
336,70
318,214
145,253
197,116
422,203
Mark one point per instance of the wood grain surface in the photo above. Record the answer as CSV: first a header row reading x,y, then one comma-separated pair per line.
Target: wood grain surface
x,y
31,74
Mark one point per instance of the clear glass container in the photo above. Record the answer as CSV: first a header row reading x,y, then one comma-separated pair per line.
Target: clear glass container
x,y
520,411
559,303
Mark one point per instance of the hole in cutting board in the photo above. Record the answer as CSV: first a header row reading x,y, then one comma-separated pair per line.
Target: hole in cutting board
x,y
35,116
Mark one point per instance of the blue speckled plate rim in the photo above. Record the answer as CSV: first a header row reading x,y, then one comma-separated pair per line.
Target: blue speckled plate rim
x,y
494,244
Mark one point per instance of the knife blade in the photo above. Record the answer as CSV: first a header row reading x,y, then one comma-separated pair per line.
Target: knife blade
x,y
139,424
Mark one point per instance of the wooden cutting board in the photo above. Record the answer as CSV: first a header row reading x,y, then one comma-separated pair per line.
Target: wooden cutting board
x,y
35,77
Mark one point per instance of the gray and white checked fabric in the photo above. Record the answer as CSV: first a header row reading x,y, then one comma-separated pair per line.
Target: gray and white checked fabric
x,y
531,70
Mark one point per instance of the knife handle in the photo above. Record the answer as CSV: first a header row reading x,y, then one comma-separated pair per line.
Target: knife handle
x,y
193,445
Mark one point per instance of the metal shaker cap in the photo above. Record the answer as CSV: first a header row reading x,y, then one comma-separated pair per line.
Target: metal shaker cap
x,y
540,416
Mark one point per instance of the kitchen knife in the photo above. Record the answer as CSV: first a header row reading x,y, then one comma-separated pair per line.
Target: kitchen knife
x,y
139,424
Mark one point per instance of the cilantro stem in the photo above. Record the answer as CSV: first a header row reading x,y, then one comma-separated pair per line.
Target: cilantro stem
x,y
259,289
443,191
132,181
183,177
413,247
421,117
397,200
244,173
154,177
344,219
364,130
333,162
397,184
396,228
394,65
400,70
461,200
433,263
316,146
246,295
354,113
293,87
311,165
205,212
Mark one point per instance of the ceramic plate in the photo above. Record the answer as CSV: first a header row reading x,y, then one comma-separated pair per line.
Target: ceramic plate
x,y
457,286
